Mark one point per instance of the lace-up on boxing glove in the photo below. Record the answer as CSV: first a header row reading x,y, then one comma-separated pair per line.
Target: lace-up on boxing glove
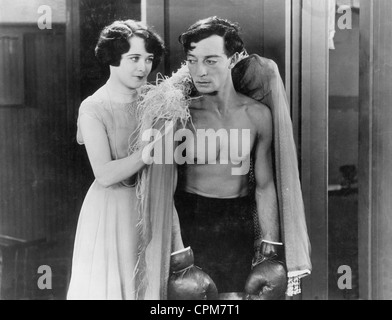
x,y
187,281
268,279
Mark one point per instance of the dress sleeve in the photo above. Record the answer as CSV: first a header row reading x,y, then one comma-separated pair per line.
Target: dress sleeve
x,y
93,110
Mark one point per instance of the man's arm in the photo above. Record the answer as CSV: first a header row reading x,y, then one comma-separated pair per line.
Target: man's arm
x,y
266,198
177,243
267,280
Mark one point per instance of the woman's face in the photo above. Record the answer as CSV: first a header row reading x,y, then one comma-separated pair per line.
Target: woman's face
x,y
135,65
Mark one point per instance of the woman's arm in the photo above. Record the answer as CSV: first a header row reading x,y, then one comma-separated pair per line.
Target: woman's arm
x,y
107,171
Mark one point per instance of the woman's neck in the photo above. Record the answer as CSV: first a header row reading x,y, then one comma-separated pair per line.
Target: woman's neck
x,y
119,92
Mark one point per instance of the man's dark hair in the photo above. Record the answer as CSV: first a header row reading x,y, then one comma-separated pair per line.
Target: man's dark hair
x,y
114,42
214,26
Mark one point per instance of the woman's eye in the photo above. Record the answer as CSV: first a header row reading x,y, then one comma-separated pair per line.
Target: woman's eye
x,y
135,59
150,60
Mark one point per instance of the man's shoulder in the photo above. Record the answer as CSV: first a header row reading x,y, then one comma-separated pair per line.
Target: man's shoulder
x,y
257,112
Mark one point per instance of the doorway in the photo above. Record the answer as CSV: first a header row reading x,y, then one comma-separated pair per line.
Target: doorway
x,y
343,142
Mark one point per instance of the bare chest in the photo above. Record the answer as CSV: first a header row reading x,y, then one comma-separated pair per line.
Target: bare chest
x,y
222,141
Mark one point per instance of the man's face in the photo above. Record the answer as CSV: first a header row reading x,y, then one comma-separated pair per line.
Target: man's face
x,y
209,65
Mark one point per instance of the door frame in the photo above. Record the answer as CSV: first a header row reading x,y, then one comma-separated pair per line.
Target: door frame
x,y
365,203
73,59
309,100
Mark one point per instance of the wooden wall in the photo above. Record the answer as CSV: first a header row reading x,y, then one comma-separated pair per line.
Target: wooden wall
x,y
375,176
314,140
35,153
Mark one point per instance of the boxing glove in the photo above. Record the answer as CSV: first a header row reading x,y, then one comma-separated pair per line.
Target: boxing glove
x,y
187,281
268,278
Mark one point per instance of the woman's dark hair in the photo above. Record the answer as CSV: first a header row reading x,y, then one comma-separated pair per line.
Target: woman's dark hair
x,y
114,42
214,26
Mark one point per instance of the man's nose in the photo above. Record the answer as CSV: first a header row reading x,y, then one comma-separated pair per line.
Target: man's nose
x,y
201,70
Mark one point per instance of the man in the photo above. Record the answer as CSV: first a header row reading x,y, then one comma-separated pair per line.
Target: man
x,y
213,198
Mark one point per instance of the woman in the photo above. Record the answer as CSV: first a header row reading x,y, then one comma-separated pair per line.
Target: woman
x,y
106,245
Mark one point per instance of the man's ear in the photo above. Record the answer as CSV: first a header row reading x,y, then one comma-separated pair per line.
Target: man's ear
x,y
234,60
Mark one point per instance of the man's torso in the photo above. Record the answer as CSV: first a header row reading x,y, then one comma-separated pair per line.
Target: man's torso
x,y
234,134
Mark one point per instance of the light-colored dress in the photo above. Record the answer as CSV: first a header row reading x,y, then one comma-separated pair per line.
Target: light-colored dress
x,y
105,250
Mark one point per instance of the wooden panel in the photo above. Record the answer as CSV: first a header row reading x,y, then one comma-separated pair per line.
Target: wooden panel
x,y
11,69
274,28
73,59
288,52
376,151
365,154
33,150
155,12
314,140
295,71
382,151
263,24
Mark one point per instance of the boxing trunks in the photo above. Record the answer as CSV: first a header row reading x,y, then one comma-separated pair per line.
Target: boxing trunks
x,y
221,235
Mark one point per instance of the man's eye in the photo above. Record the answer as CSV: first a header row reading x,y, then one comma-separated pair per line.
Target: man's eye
x,y
211,62
191,61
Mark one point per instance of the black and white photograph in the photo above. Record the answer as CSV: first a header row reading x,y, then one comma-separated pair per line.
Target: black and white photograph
x,y
213,151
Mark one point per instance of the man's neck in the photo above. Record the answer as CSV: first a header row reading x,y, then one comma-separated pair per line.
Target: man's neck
x,y
222,100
